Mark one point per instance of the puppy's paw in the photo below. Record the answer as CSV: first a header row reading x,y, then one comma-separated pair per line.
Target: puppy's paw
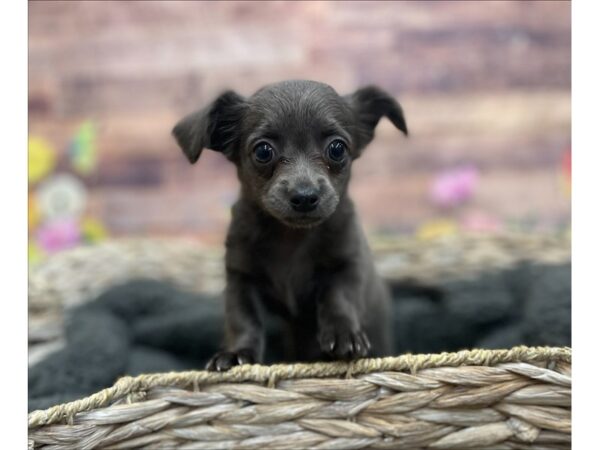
x,y
223,361
344,343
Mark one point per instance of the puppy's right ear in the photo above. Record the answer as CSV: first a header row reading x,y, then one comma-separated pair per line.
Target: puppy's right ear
x,y
215,127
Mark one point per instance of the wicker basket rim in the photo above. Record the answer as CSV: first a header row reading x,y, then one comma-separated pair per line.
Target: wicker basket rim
x,y
269,375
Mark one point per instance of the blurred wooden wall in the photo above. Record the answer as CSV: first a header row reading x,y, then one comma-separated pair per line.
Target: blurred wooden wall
x,y
480,82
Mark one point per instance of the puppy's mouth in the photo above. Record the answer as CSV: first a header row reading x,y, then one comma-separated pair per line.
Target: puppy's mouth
x,y
295,219
302,220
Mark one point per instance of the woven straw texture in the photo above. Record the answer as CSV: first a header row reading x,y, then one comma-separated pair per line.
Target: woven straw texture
x,y
484,399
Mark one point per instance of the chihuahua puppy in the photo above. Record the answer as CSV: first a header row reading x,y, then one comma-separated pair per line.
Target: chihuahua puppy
x,y
294,246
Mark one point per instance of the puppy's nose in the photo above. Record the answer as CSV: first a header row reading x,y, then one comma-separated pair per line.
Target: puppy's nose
x,y
304,200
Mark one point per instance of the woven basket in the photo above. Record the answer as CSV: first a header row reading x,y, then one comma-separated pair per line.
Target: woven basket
x,y
484,399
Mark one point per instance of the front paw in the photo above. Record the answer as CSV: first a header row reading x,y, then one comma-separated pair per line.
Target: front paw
x,y
344,343
223,361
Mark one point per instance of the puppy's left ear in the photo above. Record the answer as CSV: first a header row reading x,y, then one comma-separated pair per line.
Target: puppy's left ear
x,y
370,104
214,127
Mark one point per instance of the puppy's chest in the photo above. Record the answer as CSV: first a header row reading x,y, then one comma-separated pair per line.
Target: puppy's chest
x,y
291,274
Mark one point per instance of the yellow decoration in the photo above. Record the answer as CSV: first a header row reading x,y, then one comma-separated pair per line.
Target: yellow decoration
x,y
33,213
437,229
34,253
93,230
41,159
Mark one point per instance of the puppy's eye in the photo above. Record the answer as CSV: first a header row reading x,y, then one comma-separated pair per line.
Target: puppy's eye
x,y
336,151
263,152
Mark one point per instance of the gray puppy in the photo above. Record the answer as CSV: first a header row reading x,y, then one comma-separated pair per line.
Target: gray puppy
x,y
294,246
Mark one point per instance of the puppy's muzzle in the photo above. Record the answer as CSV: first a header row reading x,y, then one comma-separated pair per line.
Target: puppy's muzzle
x,y
304,199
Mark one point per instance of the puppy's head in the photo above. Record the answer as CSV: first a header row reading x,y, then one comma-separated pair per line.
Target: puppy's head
x,y
293,143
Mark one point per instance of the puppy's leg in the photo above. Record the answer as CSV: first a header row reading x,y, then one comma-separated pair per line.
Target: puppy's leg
x,y
340,331
244,335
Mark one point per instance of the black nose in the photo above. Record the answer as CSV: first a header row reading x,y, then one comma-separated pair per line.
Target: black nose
x,y
304,200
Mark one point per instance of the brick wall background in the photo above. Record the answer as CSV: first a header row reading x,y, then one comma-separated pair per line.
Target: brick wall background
x,y
481,82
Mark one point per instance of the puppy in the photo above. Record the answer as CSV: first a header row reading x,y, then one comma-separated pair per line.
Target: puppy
x,y
294,246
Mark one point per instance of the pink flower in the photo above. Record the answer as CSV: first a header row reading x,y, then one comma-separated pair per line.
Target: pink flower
x,y
58,235
453,187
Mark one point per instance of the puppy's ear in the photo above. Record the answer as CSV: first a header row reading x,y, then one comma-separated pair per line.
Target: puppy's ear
x,y
370,104
214,127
